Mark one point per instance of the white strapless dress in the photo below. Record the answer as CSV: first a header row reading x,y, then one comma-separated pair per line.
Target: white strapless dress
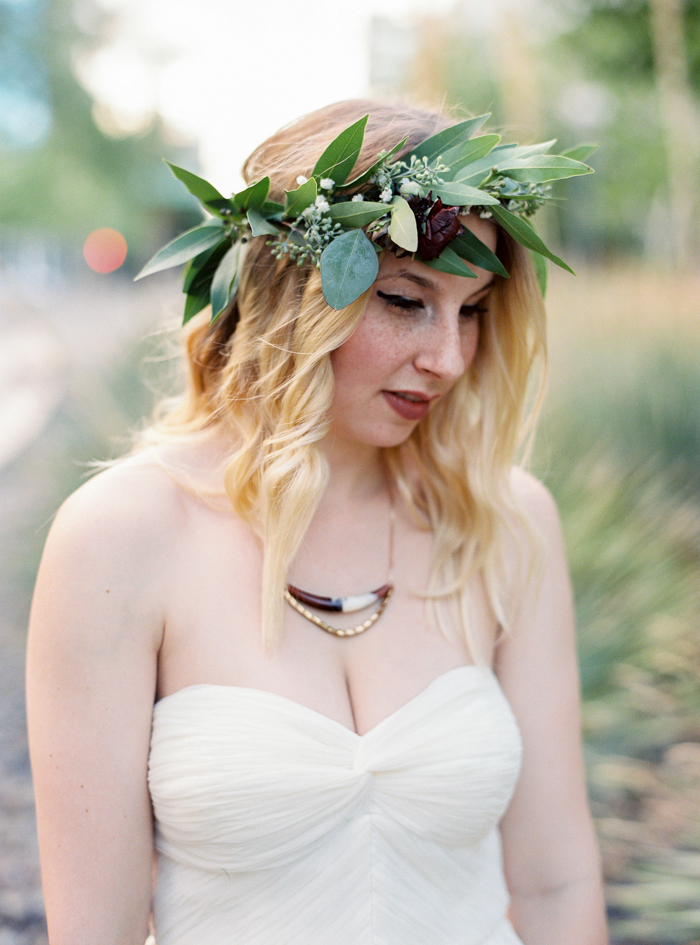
x,y
278,826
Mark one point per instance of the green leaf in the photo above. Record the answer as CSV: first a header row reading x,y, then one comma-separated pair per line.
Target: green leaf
x,y
272,209
449,261
444,141
253,197
259,225
194,268
461,195
580,152
468,152
524,234
352,213
468,246
539,168
477,171
339,158
363,178
194,303
225,281
402,228
296,201
184,247
540,264
197,186
349,266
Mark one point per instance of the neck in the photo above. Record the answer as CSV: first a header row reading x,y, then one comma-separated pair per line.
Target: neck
x,y
355,473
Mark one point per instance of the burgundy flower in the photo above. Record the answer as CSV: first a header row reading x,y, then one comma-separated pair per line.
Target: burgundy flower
x,y
436,228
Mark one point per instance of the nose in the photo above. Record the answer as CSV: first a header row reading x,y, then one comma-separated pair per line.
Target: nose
x,y
442,349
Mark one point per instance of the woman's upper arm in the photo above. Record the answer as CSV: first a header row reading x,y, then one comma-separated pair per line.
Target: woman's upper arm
x,y
547,831
91,672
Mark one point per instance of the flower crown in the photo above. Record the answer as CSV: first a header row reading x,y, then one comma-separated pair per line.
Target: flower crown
x,y
341,224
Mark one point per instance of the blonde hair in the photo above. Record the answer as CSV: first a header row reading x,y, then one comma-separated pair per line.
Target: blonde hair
x,y
262,371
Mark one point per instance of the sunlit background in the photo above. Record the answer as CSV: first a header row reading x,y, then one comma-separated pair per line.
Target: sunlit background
x,y
93,93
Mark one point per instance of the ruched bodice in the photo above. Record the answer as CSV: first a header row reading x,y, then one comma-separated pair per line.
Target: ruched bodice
x,y
276,825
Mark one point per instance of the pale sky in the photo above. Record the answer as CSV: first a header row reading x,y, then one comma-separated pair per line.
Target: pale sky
x,y
228,73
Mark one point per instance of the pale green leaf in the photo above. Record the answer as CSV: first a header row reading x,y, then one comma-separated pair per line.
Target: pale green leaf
x,y
403,229
457,194
197,186
468,152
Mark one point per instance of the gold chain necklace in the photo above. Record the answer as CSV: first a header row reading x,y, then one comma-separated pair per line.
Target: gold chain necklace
x,y
297,599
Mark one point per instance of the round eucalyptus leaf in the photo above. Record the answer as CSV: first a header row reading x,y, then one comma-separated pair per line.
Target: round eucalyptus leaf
x,y
349,266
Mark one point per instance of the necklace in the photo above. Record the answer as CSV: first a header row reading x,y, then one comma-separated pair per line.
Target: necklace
x,y
297,598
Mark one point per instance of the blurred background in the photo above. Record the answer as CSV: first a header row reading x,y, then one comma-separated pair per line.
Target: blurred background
x,y
93,93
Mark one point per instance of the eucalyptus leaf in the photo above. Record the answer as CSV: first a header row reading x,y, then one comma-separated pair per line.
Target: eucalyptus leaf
x,y
253,197
469,247
349,266
194,303
363,178
461,195
524,234
449,261
402,228
540,168
272,209
197,186
225,281
339,158
540,264
296,201
443,141
184,247
259,225
580,152
357,212
468,152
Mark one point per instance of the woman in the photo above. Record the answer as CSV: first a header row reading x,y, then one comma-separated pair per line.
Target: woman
x,y
317,776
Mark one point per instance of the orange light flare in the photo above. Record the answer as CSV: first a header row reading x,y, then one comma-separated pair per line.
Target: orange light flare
x,y
105,250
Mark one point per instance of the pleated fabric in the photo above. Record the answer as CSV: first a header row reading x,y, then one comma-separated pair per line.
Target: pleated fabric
x,y
276,825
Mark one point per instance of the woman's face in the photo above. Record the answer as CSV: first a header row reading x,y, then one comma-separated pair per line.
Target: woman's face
x,y
418,336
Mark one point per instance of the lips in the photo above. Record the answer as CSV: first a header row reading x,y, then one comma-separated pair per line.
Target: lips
x,y
409,405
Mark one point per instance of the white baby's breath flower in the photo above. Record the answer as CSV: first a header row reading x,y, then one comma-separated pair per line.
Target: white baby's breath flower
x,y
327,183
386,195
302,180
322,204
485,214
358,198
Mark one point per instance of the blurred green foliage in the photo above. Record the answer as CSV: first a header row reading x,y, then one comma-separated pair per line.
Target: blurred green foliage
x,y
77,178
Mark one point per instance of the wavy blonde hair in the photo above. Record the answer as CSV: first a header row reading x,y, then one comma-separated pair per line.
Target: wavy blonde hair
x,y
262,371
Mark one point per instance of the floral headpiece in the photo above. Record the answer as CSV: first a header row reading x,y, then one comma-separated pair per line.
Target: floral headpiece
x,y
341,224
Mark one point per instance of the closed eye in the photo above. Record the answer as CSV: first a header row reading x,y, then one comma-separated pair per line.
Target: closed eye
x,y
400,301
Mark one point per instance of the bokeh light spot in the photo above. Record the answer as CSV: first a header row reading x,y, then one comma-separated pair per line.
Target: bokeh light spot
x,y
105,250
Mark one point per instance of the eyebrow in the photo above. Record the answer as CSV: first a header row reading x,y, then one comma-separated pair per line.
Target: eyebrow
x,y
428,283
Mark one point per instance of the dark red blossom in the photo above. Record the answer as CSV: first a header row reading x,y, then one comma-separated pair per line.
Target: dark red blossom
x,y
437,225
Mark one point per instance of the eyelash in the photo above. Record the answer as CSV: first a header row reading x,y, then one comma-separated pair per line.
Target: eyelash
x,y
409,305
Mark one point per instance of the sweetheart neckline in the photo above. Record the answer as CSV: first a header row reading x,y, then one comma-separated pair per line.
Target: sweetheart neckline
x,y
304,709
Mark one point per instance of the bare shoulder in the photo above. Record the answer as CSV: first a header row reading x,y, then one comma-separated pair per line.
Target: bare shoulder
x,y
132,504
537,502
